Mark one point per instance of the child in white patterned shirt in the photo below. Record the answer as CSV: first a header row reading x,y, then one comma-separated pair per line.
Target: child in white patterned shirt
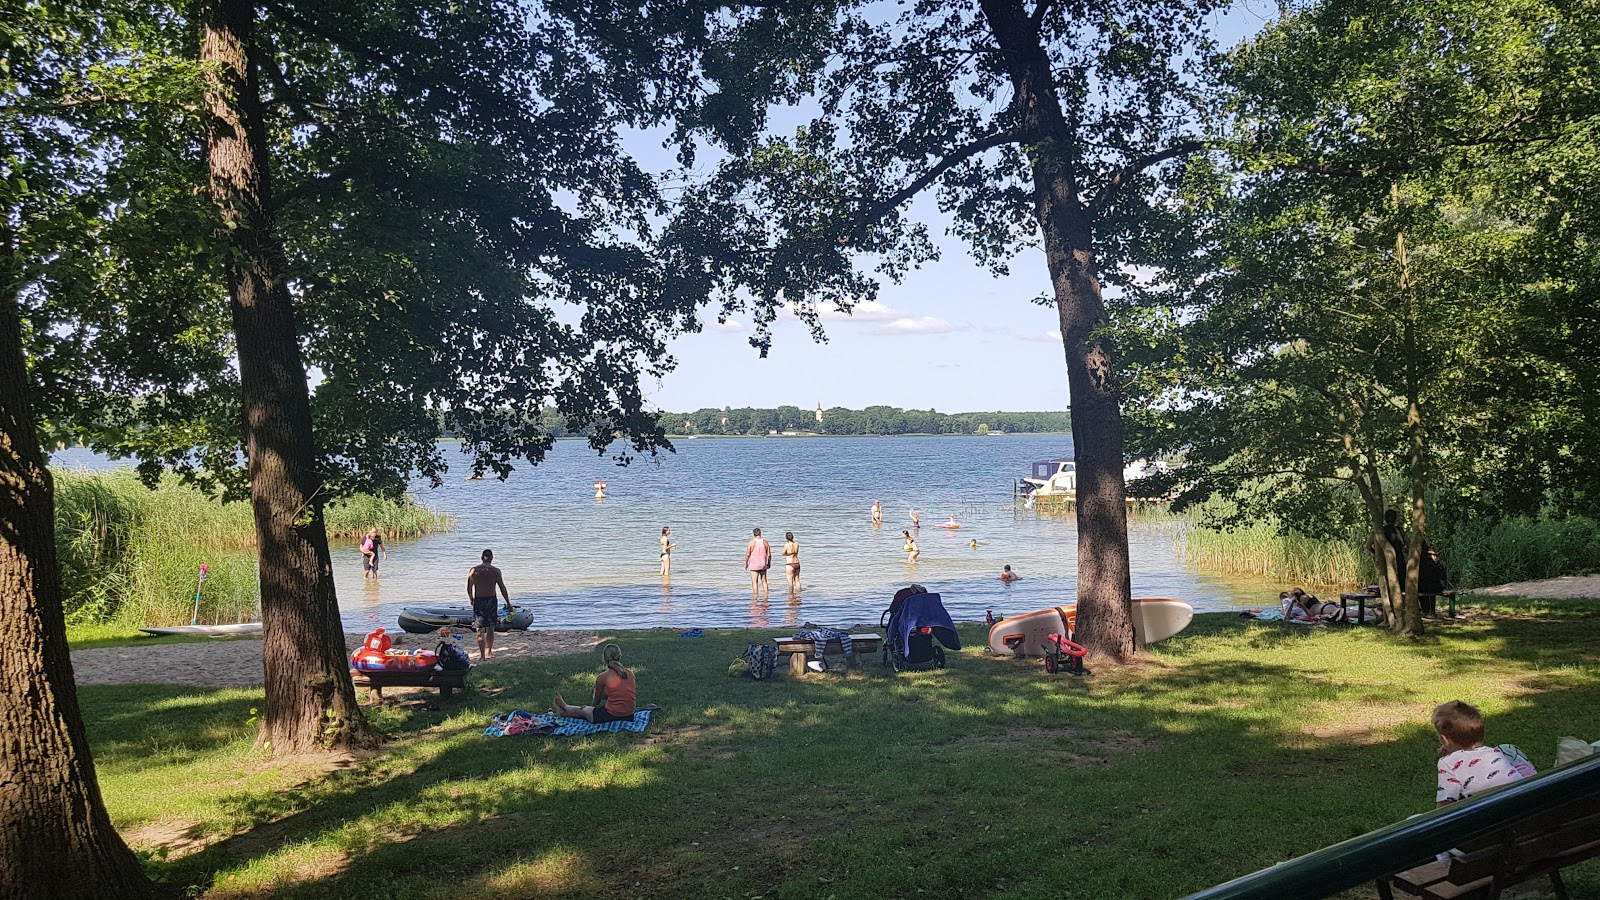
x,y
1466,766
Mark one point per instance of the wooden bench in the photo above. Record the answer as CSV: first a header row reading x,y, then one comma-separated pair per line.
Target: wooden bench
x,y
1428,602
376,680
801,649
1543,844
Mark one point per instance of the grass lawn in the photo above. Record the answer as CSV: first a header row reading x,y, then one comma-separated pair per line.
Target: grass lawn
x,y
1243,744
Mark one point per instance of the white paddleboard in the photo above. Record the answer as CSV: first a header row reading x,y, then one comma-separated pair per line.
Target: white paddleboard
x,y
1154,619
208,630
1025,635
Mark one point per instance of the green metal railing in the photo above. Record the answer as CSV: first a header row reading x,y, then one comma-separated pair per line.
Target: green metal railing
x,y
1404,844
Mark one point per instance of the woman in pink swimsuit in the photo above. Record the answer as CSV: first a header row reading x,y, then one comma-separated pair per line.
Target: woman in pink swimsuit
x,y
757,559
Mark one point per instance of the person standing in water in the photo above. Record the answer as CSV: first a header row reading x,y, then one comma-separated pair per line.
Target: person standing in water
x,y
371,546
791,562
877,514
666,551
911,547
757,559
482,580
916,519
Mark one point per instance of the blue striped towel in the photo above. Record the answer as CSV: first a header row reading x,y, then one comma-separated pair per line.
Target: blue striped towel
x,y
519,722
578,727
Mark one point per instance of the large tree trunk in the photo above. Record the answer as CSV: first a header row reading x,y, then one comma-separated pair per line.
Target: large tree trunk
x,y
56,840
310,703
1105,624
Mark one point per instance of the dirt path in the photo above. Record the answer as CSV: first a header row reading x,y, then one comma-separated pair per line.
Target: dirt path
x,y
1567,587
237,661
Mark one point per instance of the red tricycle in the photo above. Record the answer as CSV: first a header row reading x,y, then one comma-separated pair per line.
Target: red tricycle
x,y
1062,655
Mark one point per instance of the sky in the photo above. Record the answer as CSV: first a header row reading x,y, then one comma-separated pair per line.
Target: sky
x,y
950,337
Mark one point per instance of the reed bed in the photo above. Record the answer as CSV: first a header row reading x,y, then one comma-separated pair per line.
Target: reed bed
x,y
132,554
1261,550
1475,554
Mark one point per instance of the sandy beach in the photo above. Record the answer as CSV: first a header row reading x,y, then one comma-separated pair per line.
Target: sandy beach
x,y
236,662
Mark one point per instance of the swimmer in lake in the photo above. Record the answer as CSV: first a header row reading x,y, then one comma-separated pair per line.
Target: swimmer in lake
x,y
911,547
974,544
877,514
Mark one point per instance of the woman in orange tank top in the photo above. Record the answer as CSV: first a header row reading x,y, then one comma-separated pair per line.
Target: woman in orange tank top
x,y
616,693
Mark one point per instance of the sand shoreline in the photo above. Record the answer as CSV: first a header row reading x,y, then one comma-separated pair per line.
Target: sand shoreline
x,y
236,662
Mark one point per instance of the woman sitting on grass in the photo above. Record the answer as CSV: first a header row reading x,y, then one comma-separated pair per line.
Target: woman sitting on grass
x,y
616,693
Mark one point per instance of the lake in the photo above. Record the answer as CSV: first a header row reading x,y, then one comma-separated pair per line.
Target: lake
x,y
582,563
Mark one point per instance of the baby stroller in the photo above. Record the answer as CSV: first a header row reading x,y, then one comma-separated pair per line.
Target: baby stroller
x,y
917,624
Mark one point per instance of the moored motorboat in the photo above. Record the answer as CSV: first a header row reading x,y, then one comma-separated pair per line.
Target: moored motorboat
x,y
1154,619
428,619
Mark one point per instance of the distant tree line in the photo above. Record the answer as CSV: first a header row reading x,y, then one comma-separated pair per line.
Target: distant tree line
x,y
872,420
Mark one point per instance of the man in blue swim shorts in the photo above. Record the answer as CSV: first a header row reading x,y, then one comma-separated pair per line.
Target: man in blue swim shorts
x,y
482,581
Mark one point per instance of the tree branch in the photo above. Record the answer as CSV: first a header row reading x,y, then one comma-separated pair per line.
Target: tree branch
x,y
1039,12
1120,177
871,214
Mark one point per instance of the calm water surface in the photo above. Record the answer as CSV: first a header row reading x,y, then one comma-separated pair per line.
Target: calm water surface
x,y
584,564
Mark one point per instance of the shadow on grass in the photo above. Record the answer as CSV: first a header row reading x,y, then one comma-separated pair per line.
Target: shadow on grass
x,y
985,777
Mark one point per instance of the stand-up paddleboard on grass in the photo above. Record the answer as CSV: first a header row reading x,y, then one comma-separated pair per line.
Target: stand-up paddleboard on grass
x,y
1154,619
207,630
194,626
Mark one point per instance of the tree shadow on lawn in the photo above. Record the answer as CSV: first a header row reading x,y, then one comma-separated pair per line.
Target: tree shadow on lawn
x,y
131,721
863,784
1540,644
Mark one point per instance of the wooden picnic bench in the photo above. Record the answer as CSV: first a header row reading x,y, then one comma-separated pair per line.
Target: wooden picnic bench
x,y
376,680
1428,602
801,649
1543,844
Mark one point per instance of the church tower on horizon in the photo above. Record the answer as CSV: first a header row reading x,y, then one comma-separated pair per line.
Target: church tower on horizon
x,y
819,413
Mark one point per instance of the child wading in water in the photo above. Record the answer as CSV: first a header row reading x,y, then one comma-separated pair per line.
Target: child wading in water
x,y
616,693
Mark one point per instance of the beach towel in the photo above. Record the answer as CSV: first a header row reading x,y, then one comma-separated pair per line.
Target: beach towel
x,y
521,722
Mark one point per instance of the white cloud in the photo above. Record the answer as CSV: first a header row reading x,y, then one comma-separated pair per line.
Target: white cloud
x,y
732,326
870,311
910,326
1046,337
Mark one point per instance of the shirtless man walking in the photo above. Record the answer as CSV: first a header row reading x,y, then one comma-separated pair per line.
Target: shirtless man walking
x,y
482,580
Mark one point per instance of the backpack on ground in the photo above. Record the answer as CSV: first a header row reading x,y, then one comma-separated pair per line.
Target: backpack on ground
x,y
762,659
452,658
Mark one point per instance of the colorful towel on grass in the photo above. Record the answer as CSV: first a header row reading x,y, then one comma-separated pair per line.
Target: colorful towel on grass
x,y
522,722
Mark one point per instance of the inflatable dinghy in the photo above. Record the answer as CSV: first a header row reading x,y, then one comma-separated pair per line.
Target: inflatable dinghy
x,y
1154,619
428,619
207,630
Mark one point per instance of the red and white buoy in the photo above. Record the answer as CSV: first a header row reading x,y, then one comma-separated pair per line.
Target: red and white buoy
x,y
599,490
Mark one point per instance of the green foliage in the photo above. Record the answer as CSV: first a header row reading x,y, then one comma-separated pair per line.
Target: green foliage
x,y
1381,286
132,554
903,777
447,177
912,99
1479,553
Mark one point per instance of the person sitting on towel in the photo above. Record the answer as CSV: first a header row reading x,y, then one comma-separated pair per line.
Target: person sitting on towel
x,y
616,693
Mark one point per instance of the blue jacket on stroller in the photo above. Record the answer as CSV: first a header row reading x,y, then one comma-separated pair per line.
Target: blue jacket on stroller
x,y
917,625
